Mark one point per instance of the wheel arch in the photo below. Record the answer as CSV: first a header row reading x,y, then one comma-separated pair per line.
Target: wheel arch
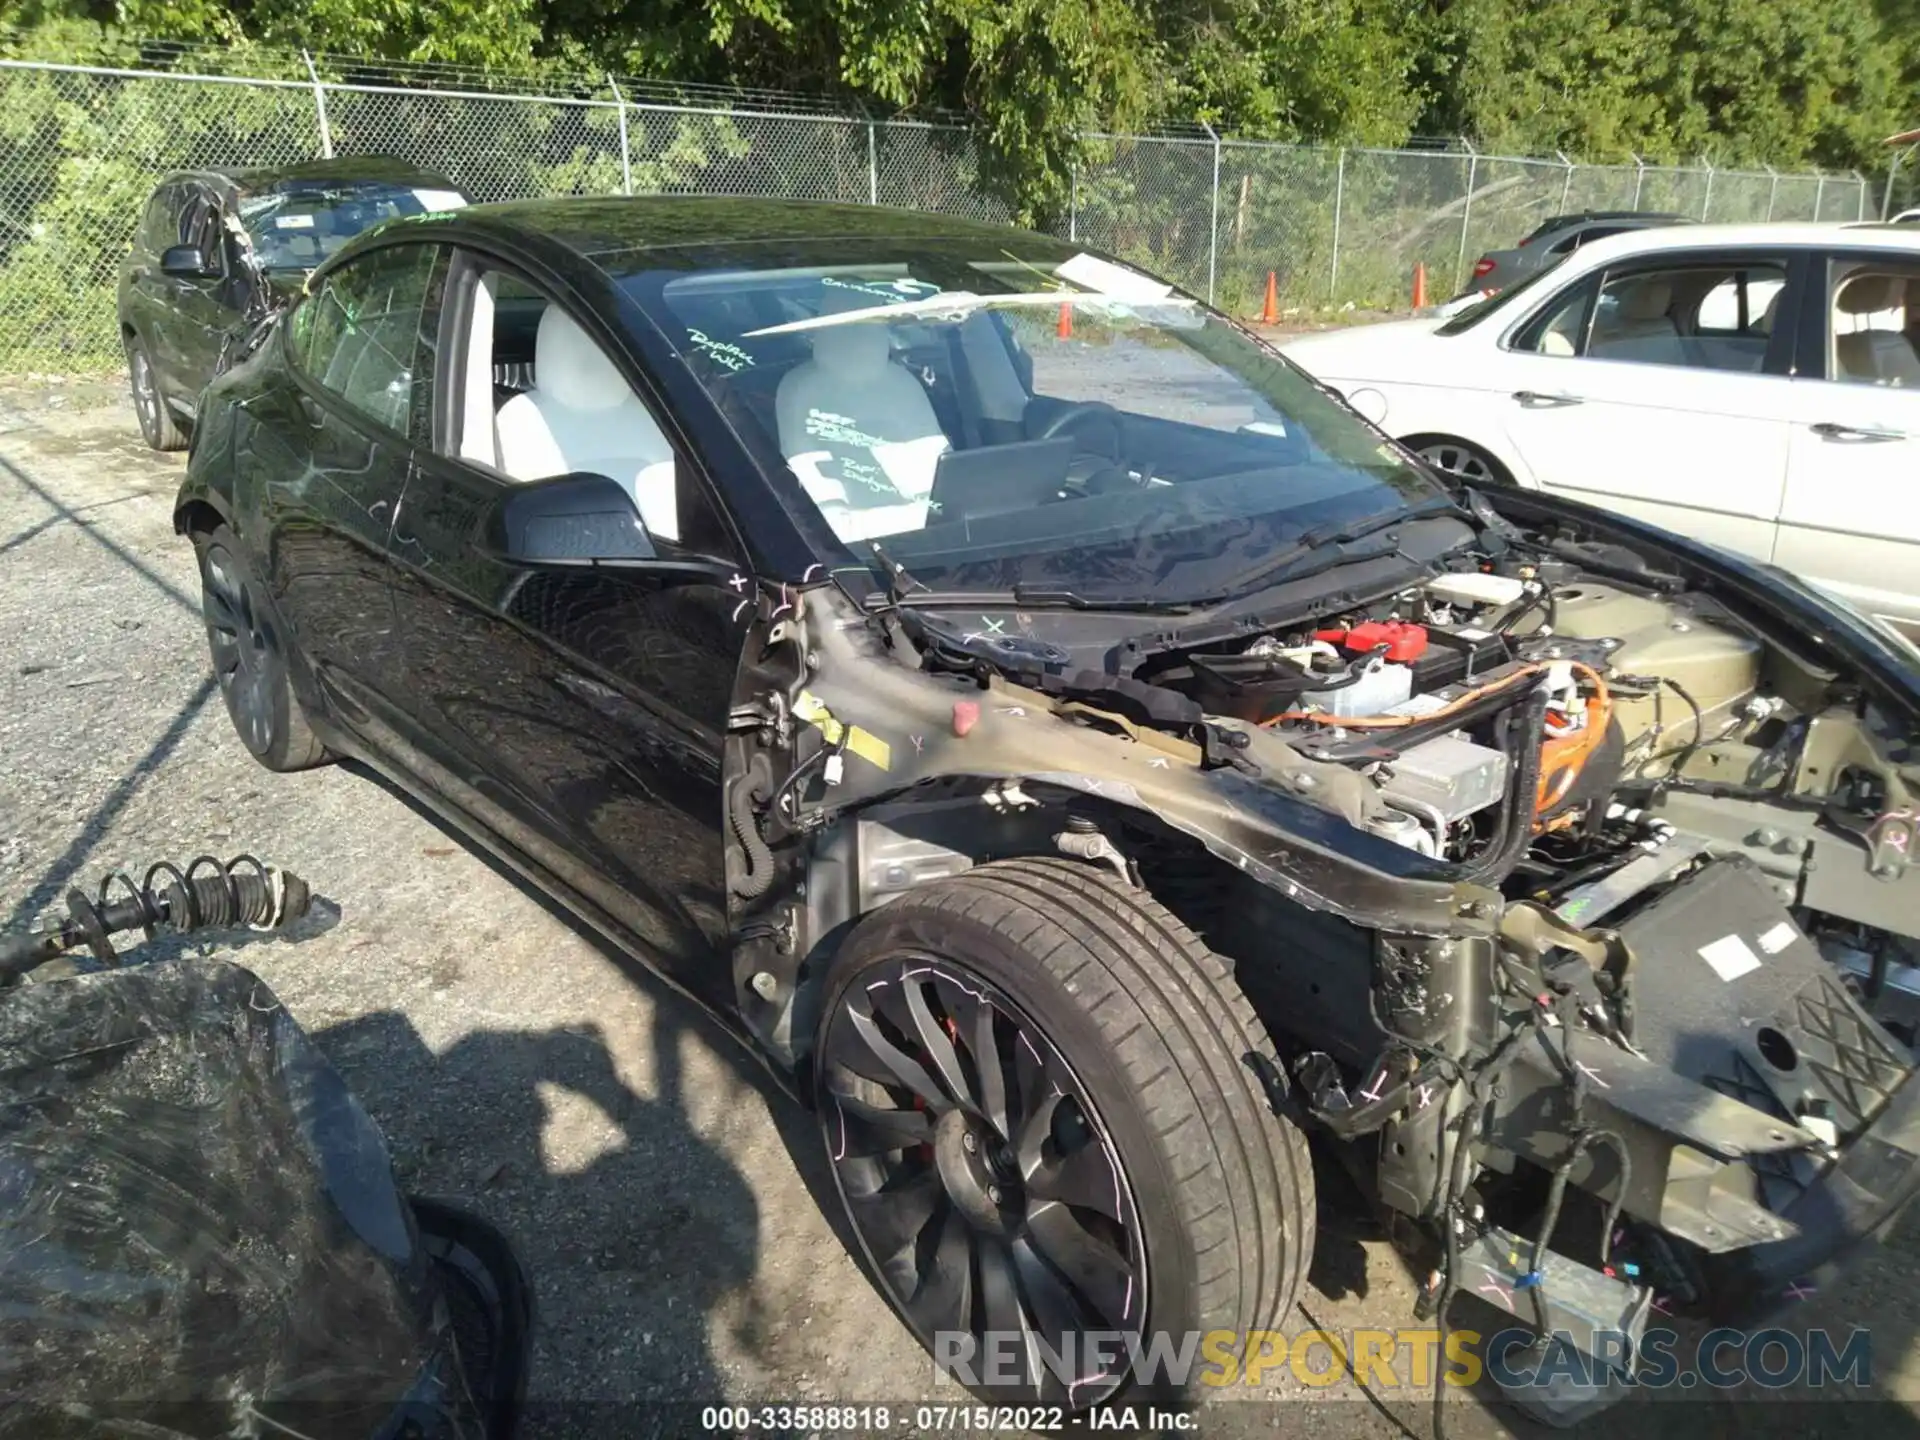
x,y
907,840
199,508
1506,466
198,516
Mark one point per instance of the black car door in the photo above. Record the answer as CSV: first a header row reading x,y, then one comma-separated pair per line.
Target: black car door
x,y
201,313
330,446
151,309
580,710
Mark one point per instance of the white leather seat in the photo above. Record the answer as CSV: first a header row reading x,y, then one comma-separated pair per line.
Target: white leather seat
x,y
860,432
1880,356
581,415
1641,328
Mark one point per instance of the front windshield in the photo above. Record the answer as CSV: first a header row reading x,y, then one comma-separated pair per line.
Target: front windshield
x,y
1022,416
297,229
1493,304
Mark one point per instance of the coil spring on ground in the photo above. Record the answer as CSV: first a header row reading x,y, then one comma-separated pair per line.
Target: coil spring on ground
x,y
209,894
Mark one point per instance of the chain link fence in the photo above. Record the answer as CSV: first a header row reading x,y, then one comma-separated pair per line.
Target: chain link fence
x,y
81,148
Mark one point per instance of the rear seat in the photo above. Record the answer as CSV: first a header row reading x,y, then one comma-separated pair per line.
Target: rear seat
x,y
1879,356
1641,329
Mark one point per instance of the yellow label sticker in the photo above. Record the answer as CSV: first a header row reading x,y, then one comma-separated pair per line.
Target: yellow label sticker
x,y
870,747
864,743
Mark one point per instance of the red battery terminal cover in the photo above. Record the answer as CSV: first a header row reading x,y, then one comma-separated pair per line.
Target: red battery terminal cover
x,y
1405,642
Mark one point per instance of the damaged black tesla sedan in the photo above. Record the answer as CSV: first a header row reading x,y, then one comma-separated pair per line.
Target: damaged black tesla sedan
x,y
1084,759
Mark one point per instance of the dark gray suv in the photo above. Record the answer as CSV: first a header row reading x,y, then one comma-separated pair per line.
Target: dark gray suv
x,y
1557,237
214,249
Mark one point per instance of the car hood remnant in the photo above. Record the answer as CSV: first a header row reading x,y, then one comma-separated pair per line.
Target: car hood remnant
x,y
1572,856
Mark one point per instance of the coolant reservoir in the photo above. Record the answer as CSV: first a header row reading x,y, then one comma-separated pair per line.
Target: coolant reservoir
x,y
1378,690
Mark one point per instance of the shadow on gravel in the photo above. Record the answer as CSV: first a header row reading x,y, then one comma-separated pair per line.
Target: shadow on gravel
x,y
61,873
665,1218
628,1250
63,511
56,879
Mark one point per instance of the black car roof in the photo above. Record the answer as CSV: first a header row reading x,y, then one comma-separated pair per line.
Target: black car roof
x,y
302,174
607,224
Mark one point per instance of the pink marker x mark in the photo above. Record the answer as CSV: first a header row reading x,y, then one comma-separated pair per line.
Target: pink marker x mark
x,y
1591,1074
1801,1289
1378,1081
1665,1307
1425,1093
1492,1286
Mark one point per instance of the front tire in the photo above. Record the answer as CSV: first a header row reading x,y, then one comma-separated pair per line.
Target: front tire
x,y
157,424
247,645
1037,1104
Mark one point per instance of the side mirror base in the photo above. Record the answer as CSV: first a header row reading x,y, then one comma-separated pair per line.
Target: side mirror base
x,y
574,519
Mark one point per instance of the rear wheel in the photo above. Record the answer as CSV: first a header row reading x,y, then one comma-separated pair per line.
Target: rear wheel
x,y
1036,1100
157,424
1459,460
249,659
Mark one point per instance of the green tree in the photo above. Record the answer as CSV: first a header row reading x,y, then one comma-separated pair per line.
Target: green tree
x,y
1788,82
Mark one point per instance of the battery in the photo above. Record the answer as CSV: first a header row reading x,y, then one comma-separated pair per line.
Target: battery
x,y
1457,653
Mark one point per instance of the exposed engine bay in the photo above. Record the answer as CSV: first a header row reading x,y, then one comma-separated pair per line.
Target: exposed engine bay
x,y
1575,893
1547,729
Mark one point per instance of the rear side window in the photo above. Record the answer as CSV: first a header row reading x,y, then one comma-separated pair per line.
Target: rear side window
x,y
160,226
368,333
1586,236
1697,316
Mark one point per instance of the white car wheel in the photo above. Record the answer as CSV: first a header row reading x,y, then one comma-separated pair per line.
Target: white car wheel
x,y
1460,460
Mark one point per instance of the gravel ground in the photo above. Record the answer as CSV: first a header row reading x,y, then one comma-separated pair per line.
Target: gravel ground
x,y
660,1191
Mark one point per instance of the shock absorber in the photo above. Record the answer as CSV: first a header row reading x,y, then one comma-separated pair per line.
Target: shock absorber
x,y
209,894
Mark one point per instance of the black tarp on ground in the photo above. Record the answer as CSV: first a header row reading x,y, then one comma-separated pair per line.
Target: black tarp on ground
x,y
199,1229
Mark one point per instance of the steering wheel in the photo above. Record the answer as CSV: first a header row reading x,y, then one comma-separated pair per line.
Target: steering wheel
x,y
1084,410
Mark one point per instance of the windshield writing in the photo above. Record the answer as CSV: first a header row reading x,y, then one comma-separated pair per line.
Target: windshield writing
x,y
998,418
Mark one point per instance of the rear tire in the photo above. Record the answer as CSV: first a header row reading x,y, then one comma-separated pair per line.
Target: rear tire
x,y
1459,460
248,647
1095,1053
157,423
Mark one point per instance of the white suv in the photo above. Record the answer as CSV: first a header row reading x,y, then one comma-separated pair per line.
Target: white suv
x,y
1754,386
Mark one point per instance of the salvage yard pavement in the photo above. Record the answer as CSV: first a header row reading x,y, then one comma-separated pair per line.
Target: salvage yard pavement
x,y
661,1191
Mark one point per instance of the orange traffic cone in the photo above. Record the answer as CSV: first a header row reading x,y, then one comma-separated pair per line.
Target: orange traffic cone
x,y
1065,328
1420,285
1270,312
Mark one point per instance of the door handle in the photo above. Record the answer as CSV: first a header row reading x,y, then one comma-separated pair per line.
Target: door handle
x,y
1539,399
1832,430
310,408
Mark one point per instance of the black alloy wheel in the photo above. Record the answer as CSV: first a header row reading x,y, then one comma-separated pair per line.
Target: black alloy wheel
x,y
1038,1094
243,640
157,425
978,1173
